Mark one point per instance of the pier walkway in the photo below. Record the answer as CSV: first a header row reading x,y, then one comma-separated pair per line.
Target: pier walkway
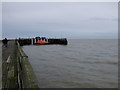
x,y
8,59
16,69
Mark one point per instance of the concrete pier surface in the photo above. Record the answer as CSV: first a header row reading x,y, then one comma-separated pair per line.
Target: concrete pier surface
x,y
16,69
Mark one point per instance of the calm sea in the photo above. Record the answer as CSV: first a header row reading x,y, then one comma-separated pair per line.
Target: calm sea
x,y
0,65
83,63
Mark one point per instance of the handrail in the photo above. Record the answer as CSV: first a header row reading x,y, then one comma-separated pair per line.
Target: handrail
x,y
26,76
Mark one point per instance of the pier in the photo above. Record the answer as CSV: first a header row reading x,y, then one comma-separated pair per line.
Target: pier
x,y
48,41
17,71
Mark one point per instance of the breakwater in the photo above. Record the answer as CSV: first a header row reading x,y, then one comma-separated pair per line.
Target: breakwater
x,y
17,71
33,41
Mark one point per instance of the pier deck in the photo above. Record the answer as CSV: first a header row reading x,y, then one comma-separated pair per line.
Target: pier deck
x,y
8,53
16,69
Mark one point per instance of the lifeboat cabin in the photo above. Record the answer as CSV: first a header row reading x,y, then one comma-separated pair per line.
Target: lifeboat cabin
x,y
41,41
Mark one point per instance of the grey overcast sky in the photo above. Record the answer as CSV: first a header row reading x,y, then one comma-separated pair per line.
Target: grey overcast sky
x,y
60,19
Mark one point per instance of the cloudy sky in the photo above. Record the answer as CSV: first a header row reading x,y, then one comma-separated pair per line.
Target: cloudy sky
x,y
60,19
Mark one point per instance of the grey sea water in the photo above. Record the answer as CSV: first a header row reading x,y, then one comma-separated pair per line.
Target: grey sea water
x,y
83,63
0,65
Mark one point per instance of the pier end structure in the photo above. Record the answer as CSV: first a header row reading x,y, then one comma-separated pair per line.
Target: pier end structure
x,y
33,41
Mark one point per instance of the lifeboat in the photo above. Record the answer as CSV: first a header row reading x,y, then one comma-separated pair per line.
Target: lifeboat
x,y
41,42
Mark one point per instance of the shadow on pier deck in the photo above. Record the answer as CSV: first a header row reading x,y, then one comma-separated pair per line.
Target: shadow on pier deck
x,y
16,70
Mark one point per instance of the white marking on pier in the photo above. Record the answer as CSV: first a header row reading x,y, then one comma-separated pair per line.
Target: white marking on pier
x,y
8,59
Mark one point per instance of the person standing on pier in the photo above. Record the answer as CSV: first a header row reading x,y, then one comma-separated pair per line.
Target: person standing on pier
x,y
5,41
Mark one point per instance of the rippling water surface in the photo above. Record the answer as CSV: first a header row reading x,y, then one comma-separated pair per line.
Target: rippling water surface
x,y
83,63
0,64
